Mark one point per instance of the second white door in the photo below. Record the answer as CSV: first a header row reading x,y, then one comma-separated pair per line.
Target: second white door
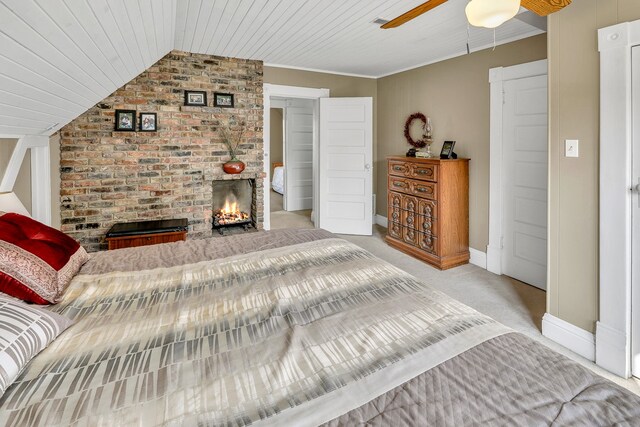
x,y
298,155
525,153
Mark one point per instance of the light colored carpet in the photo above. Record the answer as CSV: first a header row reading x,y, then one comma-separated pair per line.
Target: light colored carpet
x,y
509,301
297,219
283,219
277,202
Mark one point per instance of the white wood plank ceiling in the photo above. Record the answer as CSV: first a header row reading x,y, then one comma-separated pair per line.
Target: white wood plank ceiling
x,y
59,58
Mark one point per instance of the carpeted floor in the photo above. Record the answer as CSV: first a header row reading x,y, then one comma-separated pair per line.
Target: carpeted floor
x,y
509,301
283,219
277,203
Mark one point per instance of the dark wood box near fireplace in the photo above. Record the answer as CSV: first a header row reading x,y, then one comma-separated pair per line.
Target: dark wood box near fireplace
x,y
143,233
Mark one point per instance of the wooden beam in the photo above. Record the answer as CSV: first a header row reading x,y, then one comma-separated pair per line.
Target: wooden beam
x,y
413,13
544,7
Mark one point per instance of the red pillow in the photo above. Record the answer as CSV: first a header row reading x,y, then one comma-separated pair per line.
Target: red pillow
x,y
37,262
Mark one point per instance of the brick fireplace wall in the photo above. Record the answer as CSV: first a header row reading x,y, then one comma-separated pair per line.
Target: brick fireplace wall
x,y
109,177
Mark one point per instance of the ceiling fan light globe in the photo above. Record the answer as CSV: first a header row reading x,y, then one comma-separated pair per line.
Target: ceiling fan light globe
x,y
491,13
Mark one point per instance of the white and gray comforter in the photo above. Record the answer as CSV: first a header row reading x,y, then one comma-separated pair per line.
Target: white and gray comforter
x,y
289,328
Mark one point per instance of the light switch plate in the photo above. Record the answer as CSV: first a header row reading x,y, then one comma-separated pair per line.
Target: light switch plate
x,y
571,148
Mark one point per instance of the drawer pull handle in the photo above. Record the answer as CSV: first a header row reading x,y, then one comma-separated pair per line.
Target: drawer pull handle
x,y
398,168
400,184
424,189
425,172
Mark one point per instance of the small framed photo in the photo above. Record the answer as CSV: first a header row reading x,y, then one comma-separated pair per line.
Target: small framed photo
x,y
195,98
125,120
447,150
148,122
224,100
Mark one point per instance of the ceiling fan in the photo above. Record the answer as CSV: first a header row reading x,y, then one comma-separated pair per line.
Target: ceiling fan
x,y
485,13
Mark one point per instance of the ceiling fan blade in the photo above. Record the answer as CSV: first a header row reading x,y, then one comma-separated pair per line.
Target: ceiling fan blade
x,y
544,7
413,13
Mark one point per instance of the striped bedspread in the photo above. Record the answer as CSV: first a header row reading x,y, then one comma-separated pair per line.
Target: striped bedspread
x,y
295,335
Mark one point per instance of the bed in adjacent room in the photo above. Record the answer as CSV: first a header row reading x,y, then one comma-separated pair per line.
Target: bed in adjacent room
x,y
289,327
277,178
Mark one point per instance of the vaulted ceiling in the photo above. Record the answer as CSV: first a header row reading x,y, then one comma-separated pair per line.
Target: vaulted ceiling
x,y
59,58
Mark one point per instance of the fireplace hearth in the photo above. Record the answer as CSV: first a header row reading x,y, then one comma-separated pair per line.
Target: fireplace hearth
x,y
232,204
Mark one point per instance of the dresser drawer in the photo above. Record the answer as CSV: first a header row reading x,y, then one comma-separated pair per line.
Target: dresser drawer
x,y
413,187
409,219
427,225
398,168
394,207
421,171
395,230
428,243
428,208
410,236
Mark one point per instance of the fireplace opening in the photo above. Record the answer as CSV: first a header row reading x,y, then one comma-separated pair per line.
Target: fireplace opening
x,y
232,204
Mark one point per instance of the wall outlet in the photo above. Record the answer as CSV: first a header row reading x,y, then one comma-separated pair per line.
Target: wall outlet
x,y
571,148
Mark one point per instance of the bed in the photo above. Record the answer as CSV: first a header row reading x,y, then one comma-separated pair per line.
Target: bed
x,y
277,182
290,327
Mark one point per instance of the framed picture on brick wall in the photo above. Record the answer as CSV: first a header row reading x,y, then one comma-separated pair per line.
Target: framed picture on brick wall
x,y
224,100
125,120
148,122
195,98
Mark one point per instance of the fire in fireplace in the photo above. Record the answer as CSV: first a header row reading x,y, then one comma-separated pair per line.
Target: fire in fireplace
x,y
230,214
232,201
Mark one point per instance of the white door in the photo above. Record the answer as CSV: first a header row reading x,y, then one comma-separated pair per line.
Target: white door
x,y
635,215
524,254
346,156
298,155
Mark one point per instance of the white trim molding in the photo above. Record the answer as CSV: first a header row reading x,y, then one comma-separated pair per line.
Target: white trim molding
x,y
382,221
570,336
318,70
611,347
40,174
497,77
613,329
270,90
478,258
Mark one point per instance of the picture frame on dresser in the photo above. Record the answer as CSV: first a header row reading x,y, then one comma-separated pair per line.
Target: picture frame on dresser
x,y
447,150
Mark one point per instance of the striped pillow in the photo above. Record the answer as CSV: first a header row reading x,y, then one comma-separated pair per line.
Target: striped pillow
x,y
24,332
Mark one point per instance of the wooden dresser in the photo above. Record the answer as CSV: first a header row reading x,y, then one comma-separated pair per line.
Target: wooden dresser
x,y
428,209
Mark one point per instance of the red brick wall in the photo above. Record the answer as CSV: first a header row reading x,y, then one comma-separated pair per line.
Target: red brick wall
x,y
110,177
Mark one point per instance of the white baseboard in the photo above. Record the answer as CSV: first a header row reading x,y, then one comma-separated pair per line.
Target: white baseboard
x,y
494,259
478,258
612,351
570,336
381,221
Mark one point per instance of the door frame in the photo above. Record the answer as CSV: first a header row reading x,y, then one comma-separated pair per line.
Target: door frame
x,y
497,78
613,328
284,91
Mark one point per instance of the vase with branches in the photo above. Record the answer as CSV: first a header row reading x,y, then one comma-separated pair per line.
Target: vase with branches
x,y
232,140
